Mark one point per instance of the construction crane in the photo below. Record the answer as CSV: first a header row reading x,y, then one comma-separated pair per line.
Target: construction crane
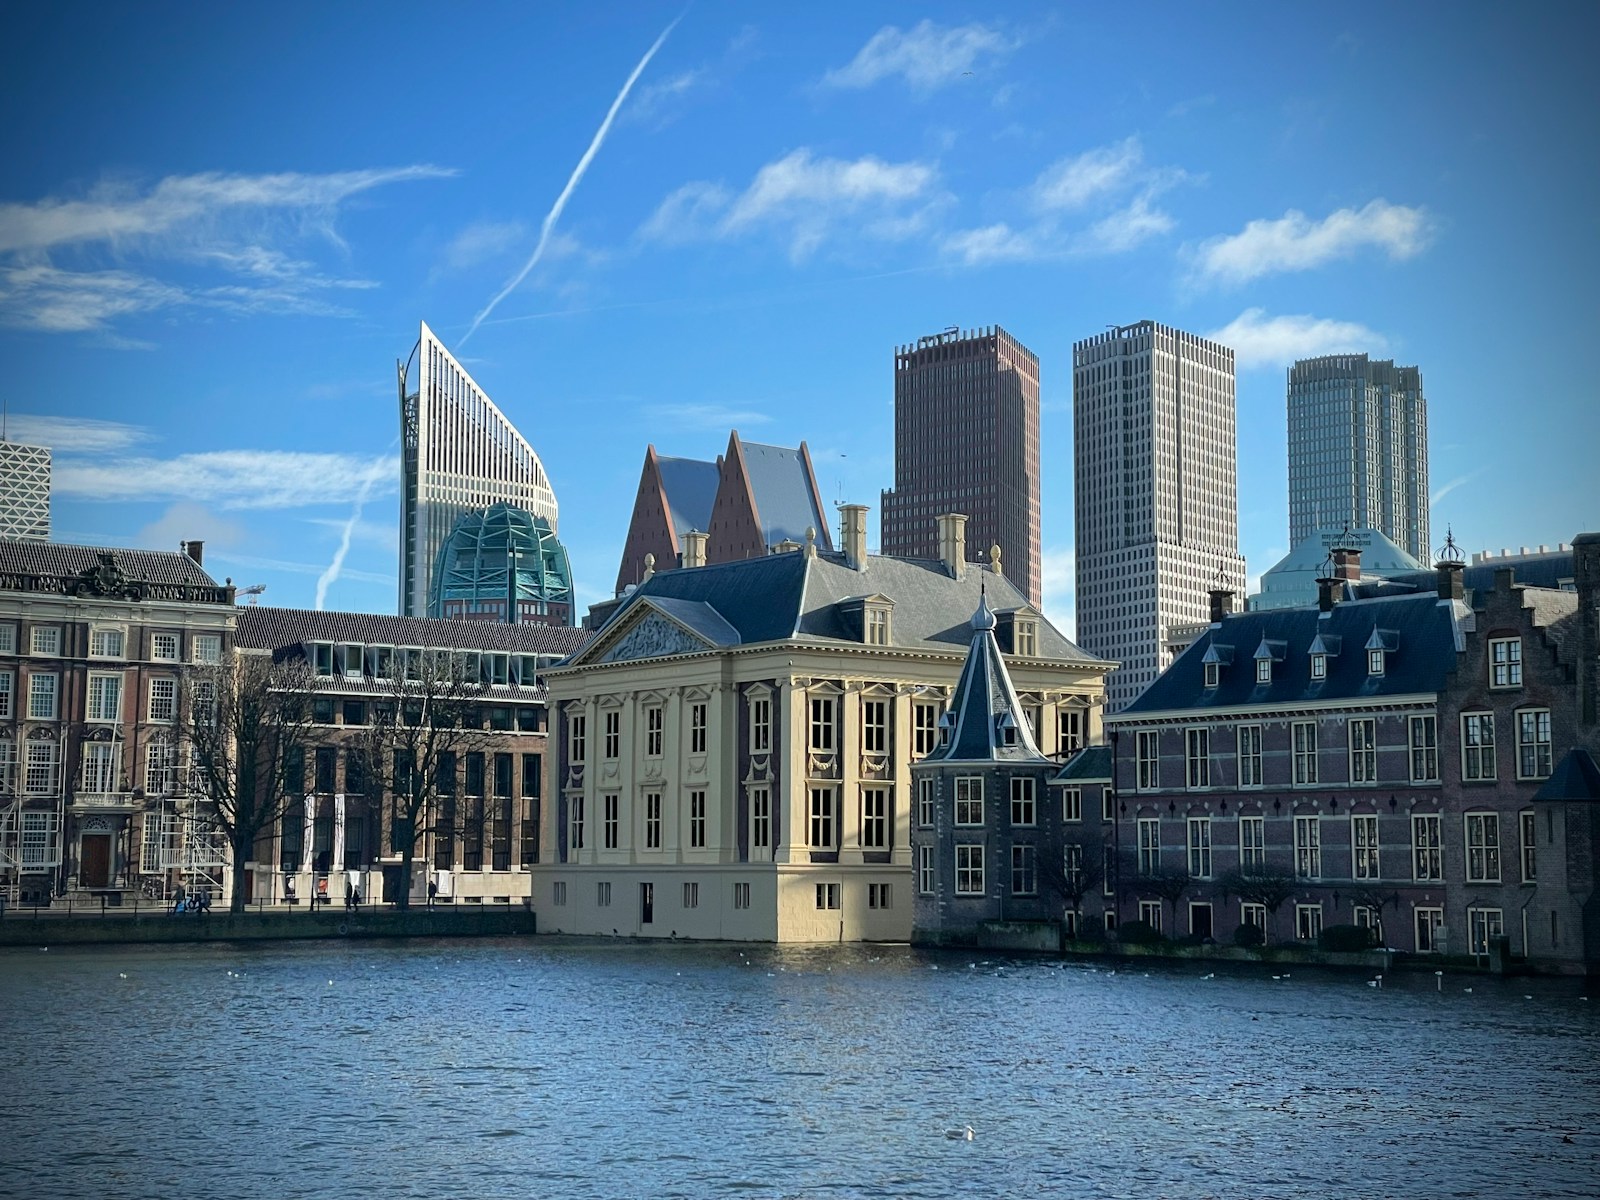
x,y
253,591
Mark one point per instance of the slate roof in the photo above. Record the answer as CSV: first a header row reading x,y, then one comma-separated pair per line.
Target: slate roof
x,y
796,597
786,502
985,721
263,628
1576,777
60,558
691,487
1091,764
1426,640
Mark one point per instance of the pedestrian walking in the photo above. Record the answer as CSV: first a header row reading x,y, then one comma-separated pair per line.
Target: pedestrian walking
x,y
433,891
177,900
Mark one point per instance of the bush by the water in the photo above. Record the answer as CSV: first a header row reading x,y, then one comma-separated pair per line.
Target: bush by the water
x,y
1346,938
1139,933
1249,936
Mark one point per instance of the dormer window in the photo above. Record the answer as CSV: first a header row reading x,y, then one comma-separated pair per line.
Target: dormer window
x,y
1025,638
1319,666
1217,657
1381,644
877,625
1374,662
947,728
1008,730
1268,652
1213,675
1264,670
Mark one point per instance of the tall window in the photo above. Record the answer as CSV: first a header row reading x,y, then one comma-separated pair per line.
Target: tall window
x,y
969,800
822,723
1307,922
105,698
654,725
8,638
1072,865
1505,662
697,728
1249,756
1477,746
1200,847
1483,847
760,818
1148,759
164,647
822,818
652,820
925,727
7,678
1305,752
1308,847
1424,749
1528,831
1482,925
42,690
1198,746
969,869
164,700
575,823
1026,638
741,895
1429,922
925,794
40,834
875,726
1427,854
1533,743
39,767
1364,846
208,649
1149,845
105,643
760,725
691,895
1023,809
877,626
8,764
874,818
1069,725
925,875
577,742
697,820
1072,804
1363,751
1024,872
1252,843
100,768
610,820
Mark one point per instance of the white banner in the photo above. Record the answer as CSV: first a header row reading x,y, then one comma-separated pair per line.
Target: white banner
x,y
307,857
338,833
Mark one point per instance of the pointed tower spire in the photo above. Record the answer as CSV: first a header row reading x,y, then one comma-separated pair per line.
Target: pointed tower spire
x,y
985,722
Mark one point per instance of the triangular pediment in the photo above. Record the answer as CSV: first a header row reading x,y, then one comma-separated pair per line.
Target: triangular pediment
x,y
646,632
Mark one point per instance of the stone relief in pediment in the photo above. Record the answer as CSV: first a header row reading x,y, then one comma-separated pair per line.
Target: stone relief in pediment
x,y
653,637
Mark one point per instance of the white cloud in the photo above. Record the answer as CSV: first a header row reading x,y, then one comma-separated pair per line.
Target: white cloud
x,y
1073,182
481,241
705,416
1294,242
73,435
186,522
992,243
231,479
382,534
656,102
1258,340
927,57
1441,492
79,265
1127,228
804,198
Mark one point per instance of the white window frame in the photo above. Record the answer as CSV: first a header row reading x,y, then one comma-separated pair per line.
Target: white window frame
x,y
1307,921
41,767
1252,842
925,870
1024,870
697,819
874,832
741,895
1362,733
880,895
1303,740
100,643
1375,660
823,827
100,768
1505,663
969,801
611,739
698,716
1151,912
207,649
691,893
1480,832
1072,805
823,713
874,725
1149,845
8,637
96,708
45,641
925,802
1069,730
558,892
760,724
1427,847
8,680
1534,753
44,703
1213,675
1248,746
1319,666
1197,756
1482,925
1147,760
575,823
925,727
827,897
652,820
39,840
1200,847
1478,755
1025,636
1024,801
876,631
1263,670
1253,912
969,869
1308,847
602,893
1427,918
760,818
163,700
1422,734
1365,854
577,738
163,647
1528,832
611,821
655,730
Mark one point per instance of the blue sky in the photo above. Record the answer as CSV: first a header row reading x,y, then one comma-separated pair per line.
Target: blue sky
x,y
220,226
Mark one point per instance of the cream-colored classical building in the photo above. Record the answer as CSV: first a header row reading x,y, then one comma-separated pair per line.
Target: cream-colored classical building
x,y
735,744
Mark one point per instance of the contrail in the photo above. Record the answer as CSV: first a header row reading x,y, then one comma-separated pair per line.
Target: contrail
x,y
577,175
329,577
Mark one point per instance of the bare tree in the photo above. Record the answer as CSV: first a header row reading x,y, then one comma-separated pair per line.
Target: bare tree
x,y
1080,871
1265,885
430,717
1170,886
248,723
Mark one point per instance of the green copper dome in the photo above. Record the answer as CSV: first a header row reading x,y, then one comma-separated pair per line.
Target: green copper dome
x,y
498,554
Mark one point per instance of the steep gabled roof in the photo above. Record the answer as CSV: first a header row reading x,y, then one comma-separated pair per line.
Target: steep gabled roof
x,y
1425,643
785,492
985,721
690,487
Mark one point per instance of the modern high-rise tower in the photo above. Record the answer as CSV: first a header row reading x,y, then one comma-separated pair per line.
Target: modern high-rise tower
x,y
458,454
1155,475
966,440
1358,449
24,492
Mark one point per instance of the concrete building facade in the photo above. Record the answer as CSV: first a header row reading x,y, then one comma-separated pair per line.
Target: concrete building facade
x,y
1358,449
1155,490
24,492
966,440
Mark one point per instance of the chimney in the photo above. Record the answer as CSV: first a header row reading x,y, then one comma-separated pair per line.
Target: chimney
x,y
195,550
853,535
1586,579
953,542
1347,564
1325,597
694,548
1221,603
1450,585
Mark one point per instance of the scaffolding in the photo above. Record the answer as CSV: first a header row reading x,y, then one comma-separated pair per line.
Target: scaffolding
x,y
30,841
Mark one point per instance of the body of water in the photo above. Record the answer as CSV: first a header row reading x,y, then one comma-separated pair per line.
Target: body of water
x,y
546,1068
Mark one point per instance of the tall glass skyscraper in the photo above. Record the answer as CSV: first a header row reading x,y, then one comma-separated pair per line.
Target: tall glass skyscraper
x,y
459,454
1156,493
1358,449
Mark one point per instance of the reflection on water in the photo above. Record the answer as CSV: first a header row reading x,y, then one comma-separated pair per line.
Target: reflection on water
x,y
539,1067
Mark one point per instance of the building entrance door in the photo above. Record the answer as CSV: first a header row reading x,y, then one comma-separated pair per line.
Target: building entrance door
x,y
94,863
1200,920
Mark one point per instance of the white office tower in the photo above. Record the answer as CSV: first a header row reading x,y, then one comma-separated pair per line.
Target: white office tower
x,y
1156,493
24,492
458,454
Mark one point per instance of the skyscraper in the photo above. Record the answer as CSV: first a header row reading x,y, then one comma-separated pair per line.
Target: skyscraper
x,y
966,440
458,454
1156,483
24,492
1358,449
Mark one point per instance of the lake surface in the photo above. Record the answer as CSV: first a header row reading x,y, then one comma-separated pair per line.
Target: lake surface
x,y
540,1067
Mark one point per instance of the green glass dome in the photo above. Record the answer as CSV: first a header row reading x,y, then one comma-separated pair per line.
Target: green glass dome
x,y
498,555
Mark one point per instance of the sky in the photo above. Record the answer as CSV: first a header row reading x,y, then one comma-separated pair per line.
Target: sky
x,y
220,227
